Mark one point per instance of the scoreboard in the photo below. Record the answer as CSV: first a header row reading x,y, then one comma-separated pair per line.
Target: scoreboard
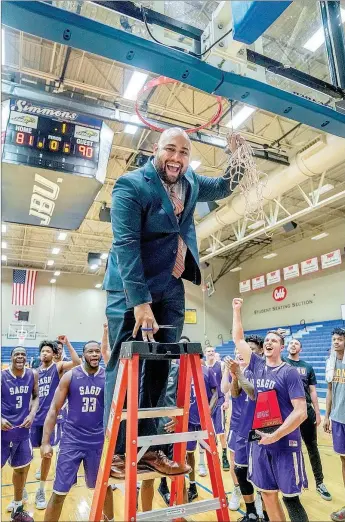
x,y
52,138
58,147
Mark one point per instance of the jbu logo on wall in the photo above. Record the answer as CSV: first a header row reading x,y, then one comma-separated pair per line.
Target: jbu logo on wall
x,y
279,293
43,197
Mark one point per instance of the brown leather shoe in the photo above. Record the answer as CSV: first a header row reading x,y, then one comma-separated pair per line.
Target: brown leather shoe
x,y
118,464
159,462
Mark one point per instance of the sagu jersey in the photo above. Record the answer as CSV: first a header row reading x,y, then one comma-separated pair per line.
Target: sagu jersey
x,y
16,393
287,383
239,407
247,410
48,381
83,427
210,384
217,370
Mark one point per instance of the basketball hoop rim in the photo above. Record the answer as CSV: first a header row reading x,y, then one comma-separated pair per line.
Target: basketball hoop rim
x,y
163,80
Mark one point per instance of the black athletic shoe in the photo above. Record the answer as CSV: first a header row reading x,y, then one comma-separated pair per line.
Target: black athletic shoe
x,y
192,493
323,492
225,462
165,494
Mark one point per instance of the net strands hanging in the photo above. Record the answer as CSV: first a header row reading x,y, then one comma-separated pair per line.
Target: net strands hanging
x,y
243,172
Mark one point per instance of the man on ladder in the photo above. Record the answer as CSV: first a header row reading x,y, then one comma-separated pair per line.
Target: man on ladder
x,y
154,247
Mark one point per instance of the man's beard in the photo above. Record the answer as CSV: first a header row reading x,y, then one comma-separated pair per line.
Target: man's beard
x,y
160,168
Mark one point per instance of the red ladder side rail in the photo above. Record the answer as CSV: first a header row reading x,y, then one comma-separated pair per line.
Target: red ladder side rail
x,y
109,442
206,424
132,439
182,401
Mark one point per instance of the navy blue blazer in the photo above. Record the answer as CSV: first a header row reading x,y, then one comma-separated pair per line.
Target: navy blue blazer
x,y
146,231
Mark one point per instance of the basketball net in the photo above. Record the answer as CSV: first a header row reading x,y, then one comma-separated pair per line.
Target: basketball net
x,y
243,172
21,337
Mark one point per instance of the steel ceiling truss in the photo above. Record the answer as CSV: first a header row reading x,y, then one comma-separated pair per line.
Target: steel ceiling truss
x,y
277,213
76,31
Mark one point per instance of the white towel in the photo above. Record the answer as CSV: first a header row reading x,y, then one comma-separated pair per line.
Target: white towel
x,y
330,365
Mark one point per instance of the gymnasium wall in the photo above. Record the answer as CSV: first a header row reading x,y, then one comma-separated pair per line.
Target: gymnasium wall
x,y
74,307
314,297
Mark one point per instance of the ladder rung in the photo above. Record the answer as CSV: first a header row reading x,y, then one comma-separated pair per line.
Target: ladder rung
x,y
145,475
155,413
157,440
170,513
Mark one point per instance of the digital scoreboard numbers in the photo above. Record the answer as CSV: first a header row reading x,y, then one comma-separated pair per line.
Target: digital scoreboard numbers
x,y
62,145
54,163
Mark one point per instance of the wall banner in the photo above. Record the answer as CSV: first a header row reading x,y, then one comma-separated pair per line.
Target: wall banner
x,y
331,259
245,286
273,277
291,271
309,266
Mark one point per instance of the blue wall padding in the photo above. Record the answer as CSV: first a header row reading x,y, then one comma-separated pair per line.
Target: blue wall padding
x,y
251,19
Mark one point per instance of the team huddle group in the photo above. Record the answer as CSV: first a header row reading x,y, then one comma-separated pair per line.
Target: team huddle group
x,y
61,403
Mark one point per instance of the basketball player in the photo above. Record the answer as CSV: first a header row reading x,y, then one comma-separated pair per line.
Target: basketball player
x,y
222,404
19,404
334,421
194,422
49,375
83,437
275,461
309,426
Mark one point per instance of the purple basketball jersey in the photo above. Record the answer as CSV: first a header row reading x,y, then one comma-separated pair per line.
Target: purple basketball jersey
x,y
48,381
217,370
210,383
83,427
15,402
248,408
287,383
239,405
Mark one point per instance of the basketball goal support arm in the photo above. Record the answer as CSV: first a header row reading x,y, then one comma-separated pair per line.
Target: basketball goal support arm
x,y
79,32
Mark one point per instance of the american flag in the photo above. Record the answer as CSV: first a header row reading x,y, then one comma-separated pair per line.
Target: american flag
x,y
23,287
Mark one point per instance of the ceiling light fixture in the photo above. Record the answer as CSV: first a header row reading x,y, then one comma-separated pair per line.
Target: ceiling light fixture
x,y
3,244
94,266
269,256
3,228
240,117
99,285
53,281
318,38
195,164
236,269
135,83
132,129
50,262
256,225
62,236
55,250
104,255
57,273
320,236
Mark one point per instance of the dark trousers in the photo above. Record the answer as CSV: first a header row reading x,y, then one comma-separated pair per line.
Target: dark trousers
x,y
309,436
168,309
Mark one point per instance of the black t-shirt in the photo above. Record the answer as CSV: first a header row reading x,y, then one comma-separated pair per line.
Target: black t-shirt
x,y
307,374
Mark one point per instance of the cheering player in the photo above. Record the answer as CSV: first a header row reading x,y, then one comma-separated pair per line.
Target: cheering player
x,y
222,404
276,461
194,422
334,421
309,426
49,375
19,404
83,436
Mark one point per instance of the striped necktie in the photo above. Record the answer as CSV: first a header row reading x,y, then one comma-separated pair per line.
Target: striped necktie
x,y
178,209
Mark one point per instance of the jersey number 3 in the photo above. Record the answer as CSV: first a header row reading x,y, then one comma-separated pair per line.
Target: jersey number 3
x,y
89,404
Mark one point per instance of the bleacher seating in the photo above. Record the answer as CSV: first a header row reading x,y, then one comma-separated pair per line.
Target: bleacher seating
x,y
315,338
316,343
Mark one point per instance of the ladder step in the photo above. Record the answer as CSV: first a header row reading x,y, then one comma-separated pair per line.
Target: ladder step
x,y
155,413
157,440
170,513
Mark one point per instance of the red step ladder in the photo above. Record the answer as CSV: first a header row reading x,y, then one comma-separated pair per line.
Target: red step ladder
x,y
127,383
